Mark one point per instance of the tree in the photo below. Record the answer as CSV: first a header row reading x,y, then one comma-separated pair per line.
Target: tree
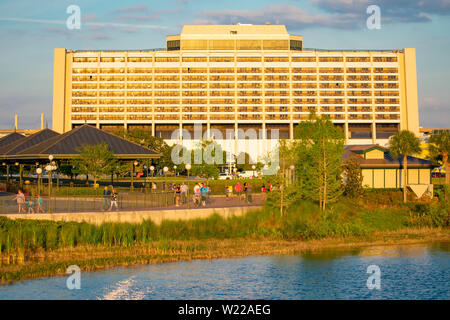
x,y
145,139
96,160
440,149
319,149
353,178
403,144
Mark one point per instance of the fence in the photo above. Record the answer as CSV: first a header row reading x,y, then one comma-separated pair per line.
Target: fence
x,y
126,201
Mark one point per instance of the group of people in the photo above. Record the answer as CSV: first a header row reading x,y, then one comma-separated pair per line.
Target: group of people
x,y
110,199
200,196
28,205
241,191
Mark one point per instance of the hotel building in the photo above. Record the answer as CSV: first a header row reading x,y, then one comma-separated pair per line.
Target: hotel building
x,y
237,77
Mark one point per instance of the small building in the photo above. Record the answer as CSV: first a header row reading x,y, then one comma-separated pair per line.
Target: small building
x,y
381,170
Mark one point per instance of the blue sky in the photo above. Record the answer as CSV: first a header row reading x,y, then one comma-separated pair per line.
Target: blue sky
x,y
30,30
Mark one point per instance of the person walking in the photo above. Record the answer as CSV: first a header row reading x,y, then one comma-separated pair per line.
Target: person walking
x,y
184,193
20,198
114,198
106,198
30,204
177,194
263,189
245,191
39,204
238,189
197,195
228,192
204,194
249,194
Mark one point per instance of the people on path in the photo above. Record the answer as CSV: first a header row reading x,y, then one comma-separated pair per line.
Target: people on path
x,y
228,192
114,198
177,194
204,194
106,198
245,190
269,187
30,204
263,189
20,198
184,193
238,189
39,207
249,194
197,195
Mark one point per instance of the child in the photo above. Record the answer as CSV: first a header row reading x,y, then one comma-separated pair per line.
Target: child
x,y
39,204
30,203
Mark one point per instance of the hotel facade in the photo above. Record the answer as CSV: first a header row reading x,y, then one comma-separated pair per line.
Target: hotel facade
x,y
224,78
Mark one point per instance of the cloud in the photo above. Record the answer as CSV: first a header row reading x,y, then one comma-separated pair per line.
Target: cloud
x,y
100,36
397,11
292,16
89,17
137,8
434,112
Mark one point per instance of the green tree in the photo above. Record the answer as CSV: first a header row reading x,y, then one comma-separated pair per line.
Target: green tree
x,y
403,144
145,139
319,149
440,149
95,160
353,178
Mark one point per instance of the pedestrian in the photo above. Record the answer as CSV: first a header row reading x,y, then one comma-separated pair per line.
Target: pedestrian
x,y
249,194
245,191
163,186
20,198
184,193
204,194
30,204
269,187
39,204
154,186
177,194
197,195
106,198
228,192
114,198
263,189
238,189
208,193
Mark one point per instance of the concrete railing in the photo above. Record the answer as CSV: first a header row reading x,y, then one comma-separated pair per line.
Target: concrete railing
x,y
157,216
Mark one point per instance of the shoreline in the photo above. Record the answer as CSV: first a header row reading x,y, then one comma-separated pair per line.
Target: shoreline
x,y
42,264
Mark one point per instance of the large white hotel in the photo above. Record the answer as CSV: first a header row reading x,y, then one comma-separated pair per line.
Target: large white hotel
x,y
230,77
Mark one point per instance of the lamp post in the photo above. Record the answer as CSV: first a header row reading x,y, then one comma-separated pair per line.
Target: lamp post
x,y
49,168
165,169
39,172
135,163
253,168
235,171
175,170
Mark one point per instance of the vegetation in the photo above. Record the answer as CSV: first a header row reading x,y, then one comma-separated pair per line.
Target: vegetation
x,y
319,148
440,149
353,178
95,160
404,143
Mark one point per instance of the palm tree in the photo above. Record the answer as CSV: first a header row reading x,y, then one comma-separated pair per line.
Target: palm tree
x,y
404,143
440,148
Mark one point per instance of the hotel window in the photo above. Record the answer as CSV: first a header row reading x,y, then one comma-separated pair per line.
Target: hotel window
x,y
296,45
249,70
167,59
358,70
173,45
85,59
385,70
384,59
304,70
137,78
139,70
331,70
276,70
221,59
194,59
275,45
140,59
166,70
249,44
221,44
358,59
195,70
276,59
248,59
331,59
303,59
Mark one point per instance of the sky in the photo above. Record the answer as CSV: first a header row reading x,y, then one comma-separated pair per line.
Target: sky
x,y
30,30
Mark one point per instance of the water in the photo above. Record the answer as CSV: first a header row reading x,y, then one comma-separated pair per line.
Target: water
x,y
407,272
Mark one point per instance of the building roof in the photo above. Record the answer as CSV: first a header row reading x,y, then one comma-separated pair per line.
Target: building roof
x,y
247,29
357,151
68,144
22,144
10,138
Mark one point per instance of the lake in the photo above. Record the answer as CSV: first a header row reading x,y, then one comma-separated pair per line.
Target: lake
x,y
406,272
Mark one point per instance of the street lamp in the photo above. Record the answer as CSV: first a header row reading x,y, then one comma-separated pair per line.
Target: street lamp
x,y
49,168
165,169
253,168
188,168
39,172
135,163
175,169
